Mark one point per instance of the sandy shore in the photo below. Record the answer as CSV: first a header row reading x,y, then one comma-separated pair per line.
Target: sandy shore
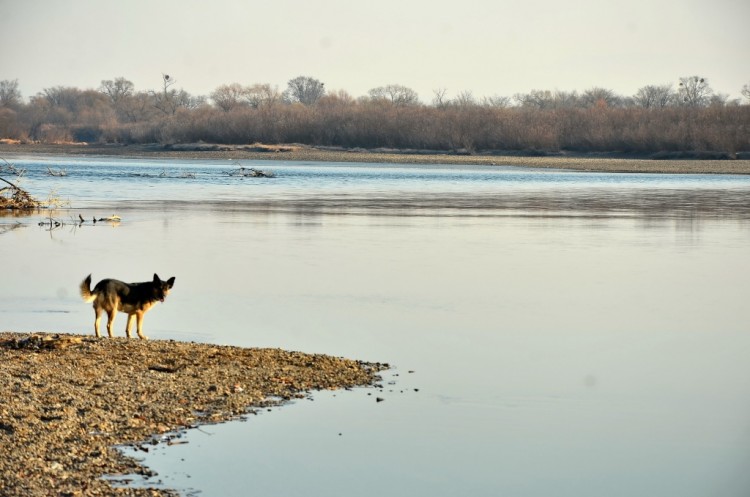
x,y
584,162
67,400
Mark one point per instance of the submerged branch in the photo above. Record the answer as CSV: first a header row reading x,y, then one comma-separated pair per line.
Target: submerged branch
x,y
250,172
56,172
10,168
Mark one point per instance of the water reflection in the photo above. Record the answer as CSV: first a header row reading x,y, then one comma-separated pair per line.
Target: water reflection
x,y
668,204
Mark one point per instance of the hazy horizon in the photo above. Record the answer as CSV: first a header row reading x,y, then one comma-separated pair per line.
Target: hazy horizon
x,y
485,47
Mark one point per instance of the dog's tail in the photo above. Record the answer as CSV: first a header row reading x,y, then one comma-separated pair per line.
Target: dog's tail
x,y
86,293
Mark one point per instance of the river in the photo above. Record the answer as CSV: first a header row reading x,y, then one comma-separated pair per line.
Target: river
x,y
550,332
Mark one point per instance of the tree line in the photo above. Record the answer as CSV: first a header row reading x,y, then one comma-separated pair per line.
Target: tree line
x,y
687,117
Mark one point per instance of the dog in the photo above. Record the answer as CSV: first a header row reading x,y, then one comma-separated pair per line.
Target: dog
x,y
134,298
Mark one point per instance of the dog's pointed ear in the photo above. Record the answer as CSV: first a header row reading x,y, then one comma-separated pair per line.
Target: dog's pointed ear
x,y
156,278
170,282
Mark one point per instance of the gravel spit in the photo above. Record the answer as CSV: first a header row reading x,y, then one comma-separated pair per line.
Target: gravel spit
x,y
67,400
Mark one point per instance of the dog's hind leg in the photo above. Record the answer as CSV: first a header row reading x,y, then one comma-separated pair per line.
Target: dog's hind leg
x,y
128,325
110,321
97,321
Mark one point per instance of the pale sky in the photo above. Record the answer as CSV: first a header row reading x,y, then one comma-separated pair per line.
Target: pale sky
x,y
488,47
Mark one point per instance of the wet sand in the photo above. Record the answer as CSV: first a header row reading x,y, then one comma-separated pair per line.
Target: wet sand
x,y
581,162
69,399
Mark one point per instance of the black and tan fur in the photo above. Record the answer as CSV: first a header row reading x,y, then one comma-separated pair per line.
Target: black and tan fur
x,y
135,299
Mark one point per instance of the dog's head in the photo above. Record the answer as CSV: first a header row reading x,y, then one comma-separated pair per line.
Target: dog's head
x,y
161,288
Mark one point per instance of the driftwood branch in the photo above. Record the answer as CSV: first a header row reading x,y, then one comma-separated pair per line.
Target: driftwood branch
x,y
15,197
11,184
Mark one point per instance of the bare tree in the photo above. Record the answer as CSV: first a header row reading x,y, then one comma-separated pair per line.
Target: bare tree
x,y
10,96
304,89
63,97
540,99
746,91
185,100
117,89
545,99
166,100
465,99
439,99
566,99
138,107
167,81
694,91
398,95
654,97
262,95
228,97
597,96
169,99
721,100
339,99
496,101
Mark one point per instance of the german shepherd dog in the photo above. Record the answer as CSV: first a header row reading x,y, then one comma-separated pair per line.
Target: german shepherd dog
x,y
134,298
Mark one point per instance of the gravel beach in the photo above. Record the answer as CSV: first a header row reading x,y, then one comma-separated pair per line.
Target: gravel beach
x,y
67,400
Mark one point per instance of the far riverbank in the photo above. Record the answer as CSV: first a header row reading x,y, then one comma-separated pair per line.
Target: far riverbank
x,y
581,162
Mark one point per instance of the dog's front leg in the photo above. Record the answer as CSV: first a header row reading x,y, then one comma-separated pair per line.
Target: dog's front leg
x,y
128,324
139,315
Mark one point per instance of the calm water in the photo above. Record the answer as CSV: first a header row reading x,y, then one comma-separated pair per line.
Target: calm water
x,y
552,333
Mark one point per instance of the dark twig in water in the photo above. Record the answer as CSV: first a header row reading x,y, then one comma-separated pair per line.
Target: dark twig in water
x,y
181,175
250,172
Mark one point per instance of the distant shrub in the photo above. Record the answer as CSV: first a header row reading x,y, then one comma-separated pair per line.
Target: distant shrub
x,y
54,133
702,155
89,134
